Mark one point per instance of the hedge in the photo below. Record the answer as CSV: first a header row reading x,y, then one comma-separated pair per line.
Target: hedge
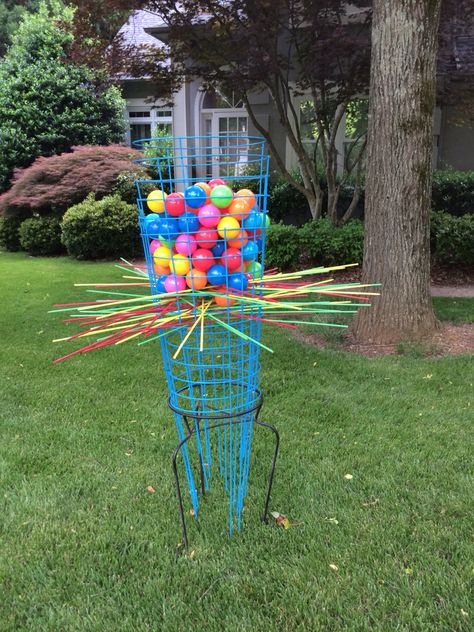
x,y
99,229
41,236
9,235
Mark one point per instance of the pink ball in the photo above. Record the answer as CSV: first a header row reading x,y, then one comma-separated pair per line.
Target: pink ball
x,y
216,182
174,283
154,244
185,244
209,215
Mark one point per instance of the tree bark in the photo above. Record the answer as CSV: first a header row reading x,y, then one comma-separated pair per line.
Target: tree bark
x,y
398,186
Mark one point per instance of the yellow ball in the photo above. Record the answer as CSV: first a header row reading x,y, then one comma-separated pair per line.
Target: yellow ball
x,y
180,265
162,256
156,201
228,228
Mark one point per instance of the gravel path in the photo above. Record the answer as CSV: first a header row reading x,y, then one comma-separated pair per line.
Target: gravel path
x,y
454,291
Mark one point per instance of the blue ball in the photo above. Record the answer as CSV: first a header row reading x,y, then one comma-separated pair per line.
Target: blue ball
x,y
218,248
238,281
217,274
169,228
153,224
253,221
188,222
250,251
160,284
195,196
259,243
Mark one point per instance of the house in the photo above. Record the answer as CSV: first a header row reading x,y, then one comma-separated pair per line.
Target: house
x,y
202,113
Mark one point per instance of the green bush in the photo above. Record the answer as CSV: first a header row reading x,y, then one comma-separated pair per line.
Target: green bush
x,y
282,246
325,244
9,235
452,239
285,203
453,192
126,188
41,236
98,229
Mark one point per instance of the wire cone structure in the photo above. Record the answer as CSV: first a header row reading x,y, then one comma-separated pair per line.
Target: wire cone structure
x,y
204,295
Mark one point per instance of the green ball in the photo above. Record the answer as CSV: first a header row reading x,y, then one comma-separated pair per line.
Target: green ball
x,y
221,196
254,268
267,221
166,242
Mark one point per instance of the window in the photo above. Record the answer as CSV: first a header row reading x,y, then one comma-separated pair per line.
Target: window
x,y
224,116
143,121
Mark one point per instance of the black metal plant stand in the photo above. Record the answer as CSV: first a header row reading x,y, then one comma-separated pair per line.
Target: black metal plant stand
x,y
221,419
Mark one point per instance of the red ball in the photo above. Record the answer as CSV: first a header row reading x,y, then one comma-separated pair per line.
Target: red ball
x,y
215,182
203,259
231,258
175,204
206,238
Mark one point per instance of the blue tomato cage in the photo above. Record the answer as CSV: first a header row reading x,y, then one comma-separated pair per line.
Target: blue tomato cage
x,y
211,351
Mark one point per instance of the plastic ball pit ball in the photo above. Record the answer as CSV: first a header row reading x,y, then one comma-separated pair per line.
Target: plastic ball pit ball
x,y
240,241
154,244
247,197
196,279
216,182
223,299
162,257
188,222
238,281
221,196
180,265
238,209
175,284
156,201
175,204
195,196
228,228
203,259
231,259
185,244
219,248
217,274
169,228
250,251
209,215
206,238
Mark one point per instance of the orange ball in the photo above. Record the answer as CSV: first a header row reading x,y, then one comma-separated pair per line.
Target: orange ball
x,y
196,279
160,269
223,300
247,196
228,228
240,241
238,208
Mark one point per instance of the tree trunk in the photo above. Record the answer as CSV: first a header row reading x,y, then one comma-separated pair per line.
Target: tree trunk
x,y
398,187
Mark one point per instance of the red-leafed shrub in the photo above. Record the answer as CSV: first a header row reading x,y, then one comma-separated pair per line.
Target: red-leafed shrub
x,y
54,184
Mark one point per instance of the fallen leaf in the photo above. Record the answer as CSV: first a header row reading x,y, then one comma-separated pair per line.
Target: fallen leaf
x,y
192,512
464,613
409,571
333,567
333,520
283,521
151,489
348,477
428,376
371,503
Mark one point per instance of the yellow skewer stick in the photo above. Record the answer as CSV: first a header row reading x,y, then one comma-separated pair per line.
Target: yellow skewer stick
x,y
191,329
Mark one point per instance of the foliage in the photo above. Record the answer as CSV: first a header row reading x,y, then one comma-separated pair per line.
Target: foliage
x,y
46,104
452,239
41,236
325,244
11,12
9,236
97,229
55,183
126,188
453,192
282,246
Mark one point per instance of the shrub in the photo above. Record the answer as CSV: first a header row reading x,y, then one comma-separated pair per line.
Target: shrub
x,y
282,246
41,236
97,229
9,235
453,192
54,184
452,239
126,188
285,203
325,244
46,104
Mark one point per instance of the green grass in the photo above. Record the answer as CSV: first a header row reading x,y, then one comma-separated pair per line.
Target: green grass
x,y
457,310
84,546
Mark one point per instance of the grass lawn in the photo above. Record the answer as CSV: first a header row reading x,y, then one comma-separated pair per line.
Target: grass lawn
x,y
84,546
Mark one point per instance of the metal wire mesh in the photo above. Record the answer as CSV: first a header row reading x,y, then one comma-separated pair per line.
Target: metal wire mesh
x,y
211,357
